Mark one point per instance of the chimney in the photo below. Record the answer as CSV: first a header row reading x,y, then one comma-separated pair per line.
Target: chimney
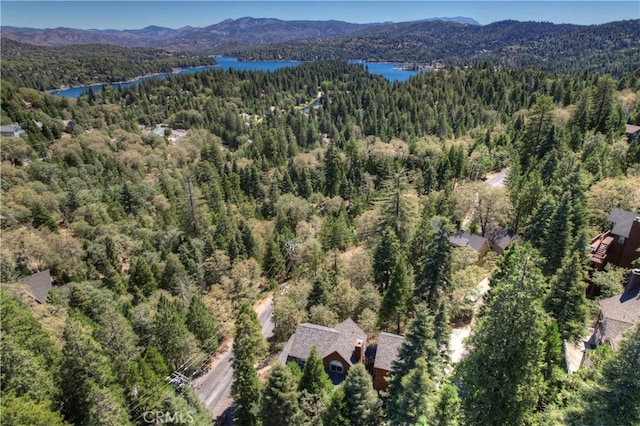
x,y
359,350
633,284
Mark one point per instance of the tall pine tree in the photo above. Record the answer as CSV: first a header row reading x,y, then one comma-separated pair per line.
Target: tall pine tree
x,y
501,377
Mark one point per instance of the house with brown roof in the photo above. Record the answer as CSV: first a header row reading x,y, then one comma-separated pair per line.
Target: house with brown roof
x,y
466,239
632,131
619,245
386,354
501,238
619,313
340,347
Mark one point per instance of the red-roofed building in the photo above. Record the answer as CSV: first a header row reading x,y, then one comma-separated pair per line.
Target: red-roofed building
x,y
619,245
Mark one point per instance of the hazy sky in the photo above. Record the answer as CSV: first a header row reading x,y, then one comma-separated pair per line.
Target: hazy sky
x,y
176,14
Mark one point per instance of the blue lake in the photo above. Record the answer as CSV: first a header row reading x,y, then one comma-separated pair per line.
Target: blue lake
x,y
386,69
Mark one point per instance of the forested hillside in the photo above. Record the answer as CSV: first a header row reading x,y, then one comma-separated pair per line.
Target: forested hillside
x,y
47,68
607,49
160,243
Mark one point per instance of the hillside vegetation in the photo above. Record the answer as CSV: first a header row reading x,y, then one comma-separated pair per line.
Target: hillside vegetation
x,y
159,244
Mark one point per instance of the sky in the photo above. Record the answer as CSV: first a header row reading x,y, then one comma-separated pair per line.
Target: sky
x,y
176,14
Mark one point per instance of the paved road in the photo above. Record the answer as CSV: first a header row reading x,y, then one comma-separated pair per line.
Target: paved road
x,y
214,387
497,179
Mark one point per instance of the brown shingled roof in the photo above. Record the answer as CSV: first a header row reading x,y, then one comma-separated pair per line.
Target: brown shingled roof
x,y
341,339
387,352
619,313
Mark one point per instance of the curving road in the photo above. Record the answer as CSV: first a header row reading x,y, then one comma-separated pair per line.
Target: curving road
x,y
214,387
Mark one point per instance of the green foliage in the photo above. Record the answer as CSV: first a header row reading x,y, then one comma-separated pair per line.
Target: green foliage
x,y
395,302
433,282
416,398
337,412
280,399
363,404
418,347
170,333
141,279
567,301
447,408
616,400
30,360
246,391
503,386
200,323
21,410
248,346
88,379
385,258
46,68
314,379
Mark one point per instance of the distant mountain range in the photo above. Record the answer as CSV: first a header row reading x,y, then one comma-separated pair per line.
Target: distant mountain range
x,y
230,33
612,48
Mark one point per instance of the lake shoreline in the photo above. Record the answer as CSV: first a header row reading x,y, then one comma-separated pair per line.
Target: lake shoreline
x,y
388,70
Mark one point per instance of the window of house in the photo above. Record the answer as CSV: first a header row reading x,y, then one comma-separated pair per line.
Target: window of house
x,y
336,367
620,240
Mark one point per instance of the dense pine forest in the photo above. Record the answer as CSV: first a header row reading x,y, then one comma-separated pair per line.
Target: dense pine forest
x,y
48,68
170,207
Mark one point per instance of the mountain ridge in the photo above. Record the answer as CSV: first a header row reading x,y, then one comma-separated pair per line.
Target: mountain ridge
x,y
246,30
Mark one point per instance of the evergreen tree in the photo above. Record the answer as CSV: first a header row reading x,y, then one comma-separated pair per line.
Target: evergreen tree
x,y
616,400
141,278
416,398
200,323
337,411
567,301
334,174
384,259
602,103
447,408
171,335
274,261
433,283
396,299
314,379
422,236
87,377
557,236
248,347
539,220
246,391
362,400
419,343
442,332
396,209
21,410
540,120
501,376
119,341
279,404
